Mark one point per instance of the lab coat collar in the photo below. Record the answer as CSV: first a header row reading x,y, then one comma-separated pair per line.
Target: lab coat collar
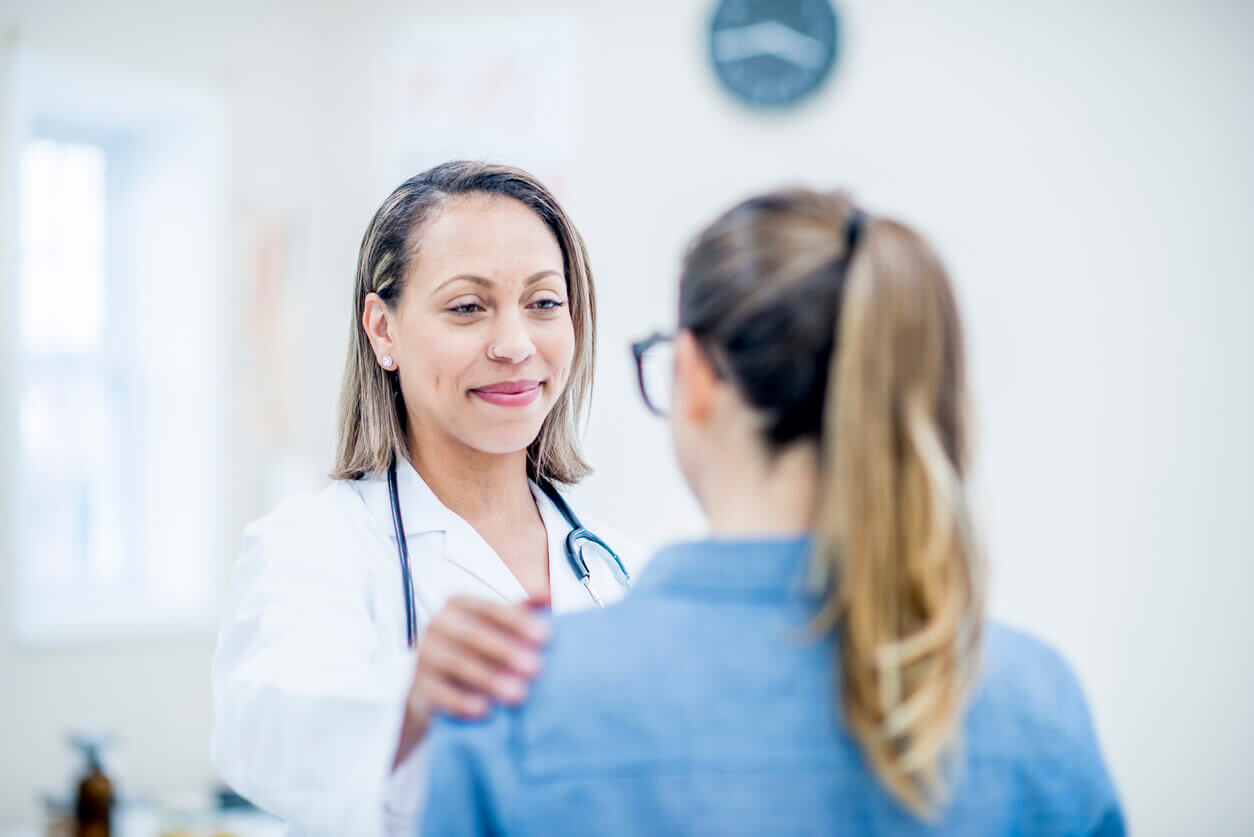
x,y
422,512
465,547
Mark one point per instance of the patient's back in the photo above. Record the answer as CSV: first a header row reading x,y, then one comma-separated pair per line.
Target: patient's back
x,y
698,705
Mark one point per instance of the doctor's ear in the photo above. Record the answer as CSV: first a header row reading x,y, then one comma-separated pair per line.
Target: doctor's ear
x,y
696,381
376,320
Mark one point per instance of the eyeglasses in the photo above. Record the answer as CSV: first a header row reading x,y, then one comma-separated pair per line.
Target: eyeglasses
x,y
655,369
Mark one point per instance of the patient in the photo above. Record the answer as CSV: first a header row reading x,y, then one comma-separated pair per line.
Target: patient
x,y
821,664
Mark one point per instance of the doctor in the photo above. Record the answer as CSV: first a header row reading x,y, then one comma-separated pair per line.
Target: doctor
x,y
469,365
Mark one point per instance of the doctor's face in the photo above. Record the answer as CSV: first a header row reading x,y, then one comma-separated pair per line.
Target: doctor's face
x,y
482,333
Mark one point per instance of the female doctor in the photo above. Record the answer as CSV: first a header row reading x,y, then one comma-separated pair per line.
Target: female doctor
x,y
401,590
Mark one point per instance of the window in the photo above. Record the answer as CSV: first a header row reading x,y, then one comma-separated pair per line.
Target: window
x,y
114,369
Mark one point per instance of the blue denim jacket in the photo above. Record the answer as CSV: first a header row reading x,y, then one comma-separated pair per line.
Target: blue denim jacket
x,y
696,706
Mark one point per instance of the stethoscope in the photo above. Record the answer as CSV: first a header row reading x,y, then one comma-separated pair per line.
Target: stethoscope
x,y
576,541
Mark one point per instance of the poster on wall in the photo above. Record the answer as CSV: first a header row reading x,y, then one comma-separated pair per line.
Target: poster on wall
x,y
505,91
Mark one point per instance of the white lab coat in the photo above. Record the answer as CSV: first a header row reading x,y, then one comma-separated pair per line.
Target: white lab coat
x,y
312,670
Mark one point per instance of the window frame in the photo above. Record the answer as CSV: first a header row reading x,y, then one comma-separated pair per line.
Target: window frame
x,y
134,119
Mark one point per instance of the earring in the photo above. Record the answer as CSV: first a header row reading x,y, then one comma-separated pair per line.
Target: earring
x,y
387,361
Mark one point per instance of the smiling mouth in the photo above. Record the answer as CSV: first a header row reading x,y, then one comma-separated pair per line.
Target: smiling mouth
x,y
510,393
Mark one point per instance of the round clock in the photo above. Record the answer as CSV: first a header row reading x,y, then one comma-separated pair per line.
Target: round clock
x,y
773,52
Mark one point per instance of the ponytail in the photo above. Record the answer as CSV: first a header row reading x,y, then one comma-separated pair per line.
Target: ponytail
x,y
893,540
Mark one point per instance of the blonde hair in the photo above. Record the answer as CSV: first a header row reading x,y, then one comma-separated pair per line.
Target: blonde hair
x,y
372,426
844,329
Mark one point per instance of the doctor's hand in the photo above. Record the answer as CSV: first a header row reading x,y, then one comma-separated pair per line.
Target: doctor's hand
x,y
474,653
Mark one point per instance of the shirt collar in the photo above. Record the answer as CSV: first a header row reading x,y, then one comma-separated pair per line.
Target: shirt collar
x,y
766,567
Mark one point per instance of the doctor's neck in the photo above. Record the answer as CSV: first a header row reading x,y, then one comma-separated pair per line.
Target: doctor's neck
x,y
473,484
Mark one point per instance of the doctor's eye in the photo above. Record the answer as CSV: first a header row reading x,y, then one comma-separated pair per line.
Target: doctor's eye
x,y
548,304
466,308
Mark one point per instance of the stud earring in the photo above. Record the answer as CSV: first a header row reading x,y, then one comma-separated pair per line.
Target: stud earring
x,y
387,361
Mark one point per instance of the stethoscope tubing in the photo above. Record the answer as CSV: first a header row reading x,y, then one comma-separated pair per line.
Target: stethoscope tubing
x,y
575,539
402,551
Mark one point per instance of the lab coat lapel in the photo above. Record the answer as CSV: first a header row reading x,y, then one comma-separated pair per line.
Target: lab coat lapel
x,y
422,512
466,548
420,508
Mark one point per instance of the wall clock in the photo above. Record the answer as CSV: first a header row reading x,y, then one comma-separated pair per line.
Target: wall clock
x,y
772,53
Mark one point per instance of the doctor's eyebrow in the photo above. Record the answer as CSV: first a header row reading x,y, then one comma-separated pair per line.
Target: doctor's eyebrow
x,y
487,283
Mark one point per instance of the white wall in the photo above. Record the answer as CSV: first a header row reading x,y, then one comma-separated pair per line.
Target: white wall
x,y
1082,167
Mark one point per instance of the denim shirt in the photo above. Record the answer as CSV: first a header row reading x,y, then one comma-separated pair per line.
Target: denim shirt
x,y
698,706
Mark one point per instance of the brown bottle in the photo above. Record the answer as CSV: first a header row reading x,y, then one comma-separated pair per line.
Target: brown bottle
x,y
93,810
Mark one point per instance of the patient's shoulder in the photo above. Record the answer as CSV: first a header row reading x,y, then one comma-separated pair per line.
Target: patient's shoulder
x,y
593,649
1030,710
599,695
1028,682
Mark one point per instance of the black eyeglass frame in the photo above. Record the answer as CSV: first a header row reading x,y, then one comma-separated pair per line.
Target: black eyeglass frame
x,y
638,351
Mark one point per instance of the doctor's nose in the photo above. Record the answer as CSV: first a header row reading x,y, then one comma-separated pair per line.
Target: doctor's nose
x,y
511,342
